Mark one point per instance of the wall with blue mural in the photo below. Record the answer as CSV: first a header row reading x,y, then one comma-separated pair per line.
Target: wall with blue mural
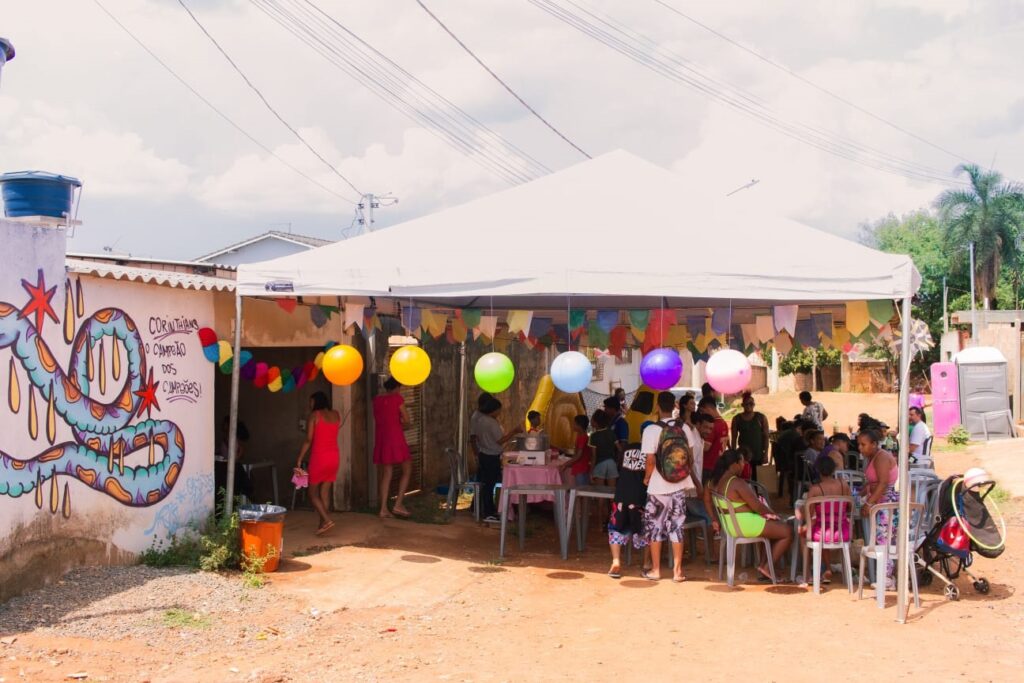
x,y
106,422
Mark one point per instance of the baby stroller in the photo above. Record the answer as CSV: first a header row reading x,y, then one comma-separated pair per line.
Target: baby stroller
x,y
964,525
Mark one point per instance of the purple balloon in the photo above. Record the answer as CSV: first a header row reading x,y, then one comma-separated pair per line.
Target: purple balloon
x,y
661,369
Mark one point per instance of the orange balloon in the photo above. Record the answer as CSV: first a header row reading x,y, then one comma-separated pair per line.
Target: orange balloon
x,y
342,365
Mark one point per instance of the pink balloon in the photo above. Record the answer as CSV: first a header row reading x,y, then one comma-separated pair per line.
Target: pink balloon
x,y
728,371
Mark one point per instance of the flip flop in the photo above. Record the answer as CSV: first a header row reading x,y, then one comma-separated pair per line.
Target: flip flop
x,y
403,515
678,579
615,575
826,578
649,576
325,528
764,575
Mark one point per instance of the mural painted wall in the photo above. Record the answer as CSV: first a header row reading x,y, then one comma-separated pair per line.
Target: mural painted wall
x,y
106,422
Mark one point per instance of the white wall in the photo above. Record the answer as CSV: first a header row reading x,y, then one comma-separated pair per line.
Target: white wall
x,y
88,509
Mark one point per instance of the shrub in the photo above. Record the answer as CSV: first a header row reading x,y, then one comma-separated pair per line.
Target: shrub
x,y
214,546
958,436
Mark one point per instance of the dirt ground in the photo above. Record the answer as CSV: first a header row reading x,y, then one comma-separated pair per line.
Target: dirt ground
x,y
382,600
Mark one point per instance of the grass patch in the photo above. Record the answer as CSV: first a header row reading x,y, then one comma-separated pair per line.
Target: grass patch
x,y
1000,495
179,618
951,448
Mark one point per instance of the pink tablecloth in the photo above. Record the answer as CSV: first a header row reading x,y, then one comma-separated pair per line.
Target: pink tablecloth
x,y
532,474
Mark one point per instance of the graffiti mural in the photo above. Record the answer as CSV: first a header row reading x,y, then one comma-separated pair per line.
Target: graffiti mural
x,y
106,346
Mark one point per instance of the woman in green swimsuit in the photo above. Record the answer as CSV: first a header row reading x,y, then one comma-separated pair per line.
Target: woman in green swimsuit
x,y
755,519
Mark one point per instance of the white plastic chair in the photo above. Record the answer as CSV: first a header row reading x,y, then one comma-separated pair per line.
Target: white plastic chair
x,y
726,508
831,509
881,553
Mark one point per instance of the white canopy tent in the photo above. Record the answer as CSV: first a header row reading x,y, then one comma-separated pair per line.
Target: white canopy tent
x,y
613,232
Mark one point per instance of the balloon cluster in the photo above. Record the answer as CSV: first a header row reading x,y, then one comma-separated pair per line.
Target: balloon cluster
x,y
263,375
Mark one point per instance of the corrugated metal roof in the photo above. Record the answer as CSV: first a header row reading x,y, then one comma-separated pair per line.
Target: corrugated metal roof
x,y
147,275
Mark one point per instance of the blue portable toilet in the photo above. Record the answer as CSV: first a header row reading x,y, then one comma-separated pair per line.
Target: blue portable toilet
x,y
37,193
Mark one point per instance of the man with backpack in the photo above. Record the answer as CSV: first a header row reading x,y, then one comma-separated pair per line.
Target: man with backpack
x,y
669,461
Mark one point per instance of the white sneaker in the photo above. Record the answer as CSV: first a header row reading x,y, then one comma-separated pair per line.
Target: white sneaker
x,y
890,585
491,519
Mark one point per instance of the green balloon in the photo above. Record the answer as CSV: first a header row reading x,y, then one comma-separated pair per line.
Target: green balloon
x,y
494,372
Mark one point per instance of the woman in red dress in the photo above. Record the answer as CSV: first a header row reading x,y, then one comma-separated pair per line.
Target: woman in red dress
x,y
389,447
322,444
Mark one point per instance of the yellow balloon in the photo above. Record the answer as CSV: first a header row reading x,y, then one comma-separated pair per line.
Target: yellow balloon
x,y
342,365
410,365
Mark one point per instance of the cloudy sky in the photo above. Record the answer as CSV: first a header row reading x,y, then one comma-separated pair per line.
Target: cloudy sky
x,y
165,176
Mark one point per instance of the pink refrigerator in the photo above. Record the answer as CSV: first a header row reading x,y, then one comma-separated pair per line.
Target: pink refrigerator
x,y
945,398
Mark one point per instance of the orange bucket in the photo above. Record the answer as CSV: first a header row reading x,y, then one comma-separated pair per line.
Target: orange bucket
x,y
262,533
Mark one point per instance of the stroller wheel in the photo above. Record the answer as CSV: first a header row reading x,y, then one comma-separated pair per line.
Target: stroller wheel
x,y
981,585
952,592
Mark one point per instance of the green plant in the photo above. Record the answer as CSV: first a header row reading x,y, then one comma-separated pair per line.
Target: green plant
x,y
803,360
211,547
253,568
1000,495
958,436
179,618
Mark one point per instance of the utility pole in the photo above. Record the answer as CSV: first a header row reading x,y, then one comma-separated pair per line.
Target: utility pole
x,y
366,206
974,312
945,306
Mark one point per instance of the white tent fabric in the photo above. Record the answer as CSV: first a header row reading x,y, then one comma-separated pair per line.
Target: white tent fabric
x,y
616,230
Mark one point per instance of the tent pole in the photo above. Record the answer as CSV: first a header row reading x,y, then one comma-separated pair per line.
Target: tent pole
x,y
229,498
371,376
904,562
463,389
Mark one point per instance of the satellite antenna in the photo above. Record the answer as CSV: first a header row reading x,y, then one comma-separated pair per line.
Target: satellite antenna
x,y
6,52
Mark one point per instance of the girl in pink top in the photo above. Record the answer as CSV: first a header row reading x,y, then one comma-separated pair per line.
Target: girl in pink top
x,y
390,419
322,445
881,474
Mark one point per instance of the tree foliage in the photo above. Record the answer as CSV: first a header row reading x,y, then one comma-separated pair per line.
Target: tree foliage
x,y
990,214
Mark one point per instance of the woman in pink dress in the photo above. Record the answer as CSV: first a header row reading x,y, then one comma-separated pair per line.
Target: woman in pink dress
x,y
389,447
322,445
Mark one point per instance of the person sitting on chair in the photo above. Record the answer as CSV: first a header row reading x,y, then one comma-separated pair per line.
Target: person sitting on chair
x,y
821,528
755,519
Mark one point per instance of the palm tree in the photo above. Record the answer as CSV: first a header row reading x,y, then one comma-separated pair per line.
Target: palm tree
x,y
989,213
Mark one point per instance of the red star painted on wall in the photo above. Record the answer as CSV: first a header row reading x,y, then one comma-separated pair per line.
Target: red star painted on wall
x,y
148,396
39,301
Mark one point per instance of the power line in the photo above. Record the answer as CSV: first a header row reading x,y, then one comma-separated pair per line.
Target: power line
x,y
263,99
806,81
382,76
311,31
500,81
634,45
213,107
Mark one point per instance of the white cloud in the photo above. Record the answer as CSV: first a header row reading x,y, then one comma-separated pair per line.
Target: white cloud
x,y
82,98
111,163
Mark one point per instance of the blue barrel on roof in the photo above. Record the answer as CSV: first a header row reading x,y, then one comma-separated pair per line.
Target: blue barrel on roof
x,y
37,193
